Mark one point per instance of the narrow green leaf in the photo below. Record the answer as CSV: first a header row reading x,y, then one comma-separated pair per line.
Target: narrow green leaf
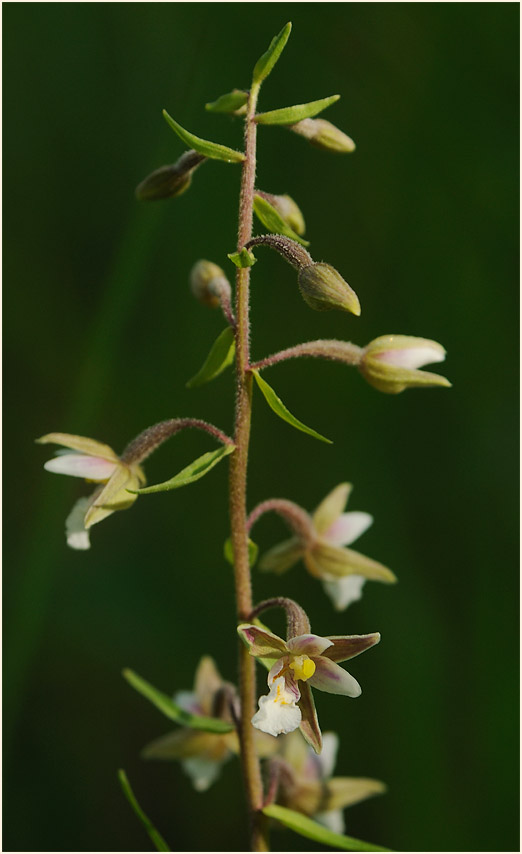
x,y
220,357
232,102
280,409
156,837
291,115
305,826
171,710
265,63
209,149
191,473
253,550
273,220
245,258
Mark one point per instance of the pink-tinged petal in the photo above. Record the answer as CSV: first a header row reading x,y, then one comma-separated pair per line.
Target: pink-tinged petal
x,y
113,496
207,682
80,465
348,646
344,591
309,725
81,444
347,528
331,507
424,353
333,679
262,642
188,701
282,557
75,531
308,644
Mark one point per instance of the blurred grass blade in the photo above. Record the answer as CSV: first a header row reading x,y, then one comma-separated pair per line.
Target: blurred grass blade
x,y
273,220
276,404
232,102
191,473
220,357
305,826
266,62
155,836
210,149
291,115
172,710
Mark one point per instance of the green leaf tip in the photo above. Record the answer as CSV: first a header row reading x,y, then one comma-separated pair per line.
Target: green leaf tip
x,y
156,837
311,829
272,219
171,710
296,113
200,467
276,404
220,357
228,551
266,62
213,150
245,258
232,103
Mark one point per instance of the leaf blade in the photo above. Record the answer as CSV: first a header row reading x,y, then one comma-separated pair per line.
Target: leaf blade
x,y
266,62
221,355
210,149
295,113
272,219
311,829
276,404
197,469
155,835
229,103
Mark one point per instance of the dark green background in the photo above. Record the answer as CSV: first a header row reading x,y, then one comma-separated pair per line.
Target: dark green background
x,y
101,334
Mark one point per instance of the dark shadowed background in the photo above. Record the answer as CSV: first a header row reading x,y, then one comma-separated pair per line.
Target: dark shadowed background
x,y
101,334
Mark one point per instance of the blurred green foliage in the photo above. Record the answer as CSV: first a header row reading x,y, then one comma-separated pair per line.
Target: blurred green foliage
x,y
101,334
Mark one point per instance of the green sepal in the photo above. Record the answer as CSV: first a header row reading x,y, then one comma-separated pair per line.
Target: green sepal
x,y
266,62
171,710
191,473
232,102
220,357
296,113
266,662
311,829
273,220
228,551
245,258
277,405
209,149
156,837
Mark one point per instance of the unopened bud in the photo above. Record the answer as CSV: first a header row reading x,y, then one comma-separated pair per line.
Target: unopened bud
x,y
169,181
209,284
325,135
390,363
287,209
323,288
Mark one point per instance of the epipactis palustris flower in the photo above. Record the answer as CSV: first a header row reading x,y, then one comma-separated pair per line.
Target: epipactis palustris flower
x,y
301,662
342,571
96,463
390,363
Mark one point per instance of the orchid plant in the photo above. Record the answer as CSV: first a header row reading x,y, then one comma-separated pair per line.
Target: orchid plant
x,y
287,764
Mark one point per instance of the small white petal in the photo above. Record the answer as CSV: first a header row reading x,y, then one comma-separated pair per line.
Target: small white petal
x,y
75,531
333,820
188,701
347,528
328,755
344,591
81,465
278,712
202,772
412,357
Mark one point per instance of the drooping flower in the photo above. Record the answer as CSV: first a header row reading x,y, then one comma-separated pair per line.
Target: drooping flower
x,y
323,550
390,363
306,783
97,463
300,662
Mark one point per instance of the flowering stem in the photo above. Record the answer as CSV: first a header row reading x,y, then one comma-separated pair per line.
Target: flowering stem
x,y
297,518
145,443
237,491
338,351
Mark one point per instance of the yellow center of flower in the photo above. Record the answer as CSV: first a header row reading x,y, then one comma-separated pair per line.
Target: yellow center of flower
x,y
303,667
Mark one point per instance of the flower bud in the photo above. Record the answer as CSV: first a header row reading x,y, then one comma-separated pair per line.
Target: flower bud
x,y
208,283
167,182
324,135
390,363
287,209
323,288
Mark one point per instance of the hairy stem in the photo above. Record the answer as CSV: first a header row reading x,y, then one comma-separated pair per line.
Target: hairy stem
x,y
338,351
237,492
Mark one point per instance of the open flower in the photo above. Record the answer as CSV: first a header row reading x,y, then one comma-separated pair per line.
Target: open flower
x,y
322,548
300,662
97,463
390,363
307,786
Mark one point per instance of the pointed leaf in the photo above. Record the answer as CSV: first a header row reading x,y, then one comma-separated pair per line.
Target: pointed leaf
x,y
266,62
155,836
204,146
245,258
229,103
191,473
296,113
172,710
220,357
253,550
277,405
273,220
311,829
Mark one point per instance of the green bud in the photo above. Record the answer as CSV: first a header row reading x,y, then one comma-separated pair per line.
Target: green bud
x,y
390,363
324,135
323,288
208,283
287,209
167,182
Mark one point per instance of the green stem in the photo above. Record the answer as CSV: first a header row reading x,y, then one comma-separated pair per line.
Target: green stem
x,y
237,492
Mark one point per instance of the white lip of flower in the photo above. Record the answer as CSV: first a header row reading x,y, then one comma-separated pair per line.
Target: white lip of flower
x,y
278,711
343,531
